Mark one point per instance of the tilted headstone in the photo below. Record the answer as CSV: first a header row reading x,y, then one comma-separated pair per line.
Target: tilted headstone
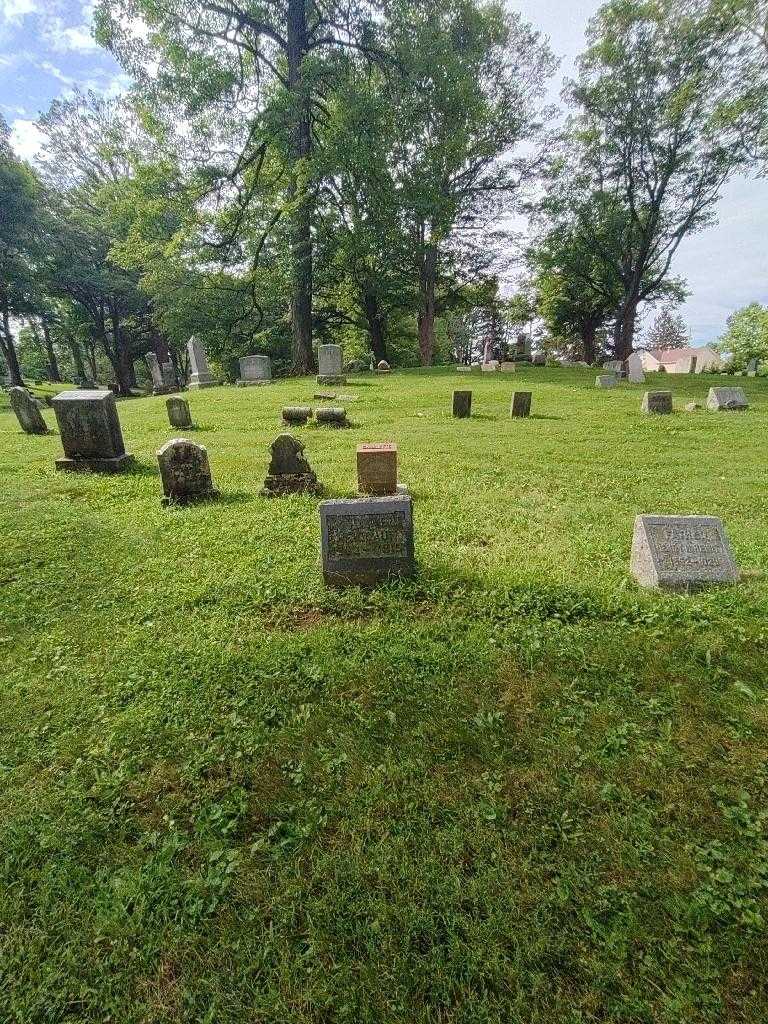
x,y
635,371
606,380
366,541
657,403
200,371
330,365
90,432
179,415
154,368
27,411
332,417
462,404
296,415
255,370
521,404
681,553
289,472
185,472
377,469
727,400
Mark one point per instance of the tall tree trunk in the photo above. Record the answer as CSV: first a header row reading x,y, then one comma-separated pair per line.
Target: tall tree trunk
x,y
624,330
300,194
8,346
123,363
375,320
588,333
427,290
53,363
77,357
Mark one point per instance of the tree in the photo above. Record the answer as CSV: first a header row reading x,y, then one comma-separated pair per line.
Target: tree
x,y
668,331
747,335
649,146
250,77
20,237
466,100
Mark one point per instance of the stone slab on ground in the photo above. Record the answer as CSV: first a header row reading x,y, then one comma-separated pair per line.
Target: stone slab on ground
x,y
681,553
366,541
657,403
727,400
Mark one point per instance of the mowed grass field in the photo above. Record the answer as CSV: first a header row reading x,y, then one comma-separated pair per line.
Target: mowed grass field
x,y
516,789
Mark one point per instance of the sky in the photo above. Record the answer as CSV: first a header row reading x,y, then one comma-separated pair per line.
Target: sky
x,y
46,49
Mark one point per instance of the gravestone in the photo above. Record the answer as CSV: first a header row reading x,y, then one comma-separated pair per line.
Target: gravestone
x,y
727,400
185,472
463,369
657,403
521,404
330,363
377,469
752,367
508,367
325,396
681,553
540,359
522,349
692,407
296,415
163,376
169,376
331,417
154,368
179,415
606,380
366,541
201,376
27,411
383,367
491,366
635,371
615,365
289,472
462,404
90,432
254,371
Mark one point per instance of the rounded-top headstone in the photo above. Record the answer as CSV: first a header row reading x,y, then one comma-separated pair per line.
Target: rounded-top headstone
x,y
27,411
185,472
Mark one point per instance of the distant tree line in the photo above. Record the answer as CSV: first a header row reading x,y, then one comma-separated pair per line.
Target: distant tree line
x,y
289,173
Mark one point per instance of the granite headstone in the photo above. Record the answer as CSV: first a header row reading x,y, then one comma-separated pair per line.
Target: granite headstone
x,y
681,553
90,432
27,411
366,541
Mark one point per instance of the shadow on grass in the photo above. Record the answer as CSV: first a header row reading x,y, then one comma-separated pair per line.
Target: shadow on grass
x,y
540,416
236,497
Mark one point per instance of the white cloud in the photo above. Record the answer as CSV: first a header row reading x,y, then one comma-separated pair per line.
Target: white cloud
x,y
15,10
26,139
56,72
75,38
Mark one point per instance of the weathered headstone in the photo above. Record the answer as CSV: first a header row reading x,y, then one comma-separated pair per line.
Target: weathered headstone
x,y
169,376
325,396
727,400
752,367
154,368
615,365
491,366
201,376
163,375
331,417
330,363
462,404
383,367
179,415
521,404
255,371
296,415
185,472
681,553
508,367
523,349
635,371
606,380
692,407
657,403
90,432
377,469
540,359
461,368
27,411
366,541
289,472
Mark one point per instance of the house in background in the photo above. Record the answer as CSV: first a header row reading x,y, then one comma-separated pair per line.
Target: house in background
x,y
680,360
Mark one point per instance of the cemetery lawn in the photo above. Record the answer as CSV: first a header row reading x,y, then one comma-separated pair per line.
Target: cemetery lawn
x,y
517,789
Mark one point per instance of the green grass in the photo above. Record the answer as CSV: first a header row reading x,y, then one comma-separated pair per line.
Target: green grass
x,y
517,789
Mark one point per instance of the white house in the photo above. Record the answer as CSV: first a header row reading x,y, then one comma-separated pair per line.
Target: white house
x,y
680,360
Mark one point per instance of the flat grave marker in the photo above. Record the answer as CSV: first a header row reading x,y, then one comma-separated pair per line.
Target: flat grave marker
x,y
681,553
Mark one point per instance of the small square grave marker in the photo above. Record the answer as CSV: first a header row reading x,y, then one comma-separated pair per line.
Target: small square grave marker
x,y
681,553
377,469
366,541
657,403
179,415
462,404
521,404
